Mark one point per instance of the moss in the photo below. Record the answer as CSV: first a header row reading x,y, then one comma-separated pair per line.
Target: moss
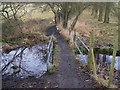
x,y
110,51
56,58
100,50
85,51
75,50
105,51
96,50
52,69
55,41
56,54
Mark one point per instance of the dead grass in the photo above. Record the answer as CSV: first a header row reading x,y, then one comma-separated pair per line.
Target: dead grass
x,y
103,82
35,25
104,32
32,33
56,59
37,14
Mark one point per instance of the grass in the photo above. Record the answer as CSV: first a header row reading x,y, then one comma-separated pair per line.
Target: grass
x,y
56,59
104,83
37,14
33,27
104,32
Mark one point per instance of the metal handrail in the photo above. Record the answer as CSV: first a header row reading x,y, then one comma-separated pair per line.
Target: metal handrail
x,y
50,41
78,48
75,37
83,43
49,52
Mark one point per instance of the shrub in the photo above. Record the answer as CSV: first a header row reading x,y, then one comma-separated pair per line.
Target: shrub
x,y
11,27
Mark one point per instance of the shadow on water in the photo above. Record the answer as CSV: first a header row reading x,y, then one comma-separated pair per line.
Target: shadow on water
x,y
31,62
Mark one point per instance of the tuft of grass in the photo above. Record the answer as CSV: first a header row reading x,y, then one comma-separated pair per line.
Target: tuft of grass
x,y
52,69
56,55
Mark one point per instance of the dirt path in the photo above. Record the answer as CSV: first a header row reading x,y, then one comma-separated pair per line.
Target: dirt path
x,y
68,75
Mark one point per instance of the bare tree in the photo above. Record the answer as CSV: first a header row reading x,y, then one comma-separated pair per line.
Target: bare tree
x,y
107,11
113,60
11,13
80,7
100,8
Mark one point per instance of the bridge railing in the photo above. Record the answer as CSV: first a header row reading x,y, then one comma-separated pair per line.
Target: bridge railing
x,y
50,52
79,43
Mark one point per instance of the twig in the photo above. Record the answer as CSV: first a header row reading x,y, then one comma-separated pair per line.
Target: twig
x,y
13,59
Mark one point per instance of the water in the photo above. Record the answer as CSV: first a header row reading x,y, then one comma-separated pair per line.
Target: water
x,y
84,58
33,62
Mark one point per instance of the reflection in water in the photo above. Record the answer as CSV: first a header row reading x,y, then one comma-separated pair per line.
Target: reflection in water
x,y
31,61
84,58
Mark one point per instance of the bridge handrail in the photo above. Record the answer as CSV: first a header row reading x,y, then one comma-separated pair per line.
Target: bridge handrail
x,y
77,39
49,52
82,43
78,48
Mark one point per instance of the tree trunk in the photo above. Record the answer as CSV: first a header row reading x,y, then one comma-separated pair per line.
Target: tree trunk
x,y
94,64
92,58
96,10
89,60
57,19
97,57
107,12
66,14
75,21
100,13
119,25
56,13
65,21
113,61
93,10
119,39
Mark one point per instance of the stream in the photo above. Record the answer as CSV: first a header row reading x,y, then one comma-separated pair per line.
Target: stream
x,y
84,58
31,61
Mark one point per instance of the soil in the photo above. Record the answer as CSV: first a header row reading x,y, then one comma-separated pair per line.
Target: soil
x,y
67,75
